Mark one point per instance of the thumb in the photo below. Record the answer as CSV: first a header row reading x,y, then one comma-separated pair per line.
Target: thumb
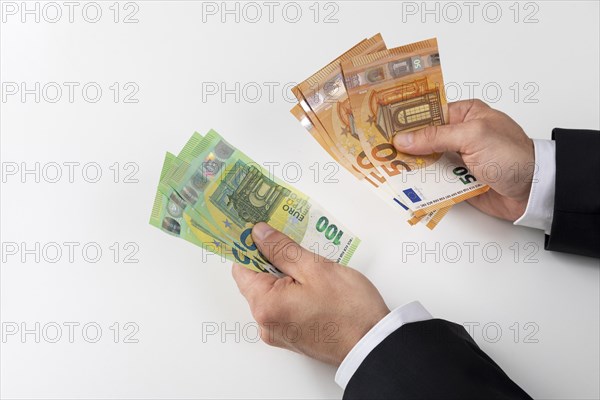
x,y
280,250
432,139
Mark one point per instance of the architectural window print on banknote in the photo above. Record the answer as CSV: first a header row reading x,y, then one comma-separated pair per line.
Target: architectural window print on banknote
x,y
245,195
408,106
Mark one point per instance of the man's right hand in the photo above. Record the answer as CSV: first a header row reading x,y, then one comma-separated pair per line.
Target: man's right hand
x,y
492,145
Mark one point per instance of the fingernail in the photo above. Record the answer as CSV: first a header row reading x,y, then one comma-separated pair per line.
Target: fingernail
x,y
262,230
404,139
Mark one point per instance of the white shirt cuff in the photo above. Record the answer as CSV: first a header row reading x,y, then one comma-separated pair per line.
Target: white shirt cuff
x,y
411,312
540,206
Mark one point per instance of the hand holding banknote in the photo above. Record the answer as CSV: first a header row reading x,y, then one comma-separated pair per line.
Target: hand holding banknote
x,y
320,309
492,145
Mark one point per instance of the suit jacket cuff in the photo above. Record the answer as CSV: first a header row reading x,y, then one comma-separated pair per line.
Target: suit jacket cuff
x,y
411,312
540,206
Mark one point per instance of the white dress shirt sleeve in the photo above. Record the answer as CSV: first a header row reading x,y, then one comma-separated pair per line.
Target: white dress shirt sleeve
x,y
411,312
540,206
538,214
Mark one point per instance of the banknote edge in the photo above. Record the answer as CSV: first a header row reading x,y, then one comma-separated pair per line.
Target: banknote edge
x,y
350,252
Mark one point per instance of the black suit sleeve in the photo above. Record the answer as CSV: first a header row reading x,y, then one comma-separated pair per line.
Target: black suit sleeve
x,y
432,359
576,221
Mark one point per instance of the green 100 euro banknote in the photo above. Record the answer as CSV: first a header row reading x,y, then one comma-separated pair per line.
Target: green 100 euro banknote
x,y
220,193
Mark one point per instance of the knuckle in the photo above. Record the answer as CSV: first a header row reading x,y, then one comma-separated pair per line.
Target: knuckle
x,y
283,282
262,314
480,103
430,133
480,126
265,313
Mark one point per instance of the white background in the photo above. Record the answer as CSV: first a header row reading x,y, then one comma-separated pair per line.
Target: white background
x,y
170,294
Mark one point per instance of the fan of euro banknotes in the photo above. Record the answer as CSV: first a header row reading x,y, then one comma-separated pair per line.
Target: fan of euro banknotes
x,y
211,194
355,105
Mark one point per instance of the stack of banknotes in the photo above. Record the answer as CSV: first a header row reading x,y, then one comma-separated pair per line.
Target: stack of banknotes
x,y
211,194
355,105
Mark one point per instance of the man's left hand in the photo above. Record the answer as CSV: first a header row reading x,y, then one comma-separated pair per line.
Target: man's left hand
x,y
320,309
